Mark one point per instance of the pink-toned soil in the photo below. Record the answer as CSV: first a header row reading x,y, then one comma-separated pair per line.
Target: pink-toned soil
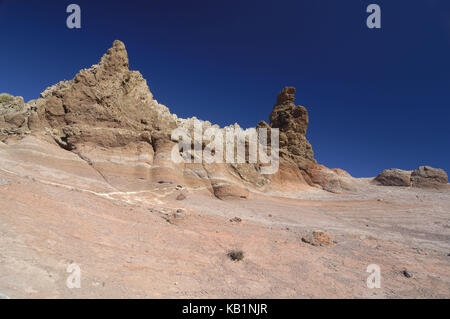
x,y
55,210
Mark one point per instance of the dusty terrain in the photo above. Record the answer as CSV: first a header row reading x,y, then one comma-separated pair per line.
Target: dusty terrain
x,y
87,177
133,244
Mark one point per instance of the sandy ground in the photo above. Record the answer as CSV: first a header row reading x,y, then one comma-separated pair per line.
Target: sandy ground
x,y
134,245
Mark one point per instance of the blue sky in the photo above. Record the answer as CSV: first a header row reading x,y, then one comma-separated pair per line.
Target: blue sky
x,y
377,98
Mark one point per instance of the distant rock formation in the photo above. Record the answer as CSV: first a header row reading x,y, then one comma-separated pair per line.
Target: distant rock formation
x,y
292,121
394,177
429,177
423,177
109,118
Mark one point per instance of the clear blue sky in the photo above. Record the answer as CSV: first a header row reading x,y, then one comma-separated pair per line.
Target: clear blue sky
x,y
377,98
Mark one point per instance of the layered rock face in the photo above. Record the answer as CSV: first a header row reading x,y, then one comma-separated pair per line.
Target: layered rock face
x,y
394,177
429,177
109,118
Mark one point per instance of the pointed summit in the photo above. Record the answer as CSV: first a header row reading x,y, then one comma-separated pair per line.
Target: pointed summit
x,y
116,58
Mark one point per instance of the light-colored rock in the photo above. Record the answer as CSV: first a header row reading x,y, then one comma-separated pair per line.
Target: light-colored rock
x,y
330,181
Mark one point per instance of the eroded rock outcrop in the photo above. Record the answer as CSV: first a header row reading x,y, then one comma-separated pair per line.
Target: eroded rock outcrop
x,y
109,118
14,114
292,121
394,177
429,177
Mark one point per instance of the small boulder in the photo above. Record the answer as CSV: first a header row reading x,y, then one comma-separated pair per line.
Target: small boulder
x,y
235,220
181,196
429,177
407,274
229,191
394,177
317,238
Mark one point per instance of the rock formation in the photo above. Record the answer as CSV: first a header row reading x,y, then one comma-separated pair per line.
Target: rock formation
x,y
429,177
394,177
109,118
423,177
14,114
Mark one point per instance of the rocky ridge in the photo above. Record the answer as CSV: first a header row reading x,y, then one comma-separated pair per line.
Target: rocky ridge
x,y
108,116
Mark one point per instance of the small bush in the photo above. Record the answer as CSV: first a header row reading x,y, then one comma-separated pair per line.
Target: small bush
x,y
236,255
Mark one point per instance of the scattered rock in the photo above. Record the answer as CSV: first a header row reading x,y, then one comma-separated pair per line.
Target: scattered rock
x,y
227,191
317,238
407,274
236,255
164,182
235,220
429,177
181,196
174,217
394,177
4,181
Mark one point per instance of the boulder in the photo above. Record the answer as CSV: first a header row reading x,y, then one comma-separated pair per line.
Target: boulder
x,y
331,181
429,177
230,191
394,177
318,238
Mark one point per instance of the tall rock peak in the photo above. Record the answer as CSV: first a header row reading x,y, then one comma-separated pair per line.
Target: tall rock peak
x,y
286,96
292,121
116,58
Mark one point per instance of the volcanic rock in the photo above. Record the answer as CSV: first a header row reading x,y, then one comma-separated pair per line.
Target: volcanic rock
x,y
317,238
292,121
394,177
108,117
429,177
